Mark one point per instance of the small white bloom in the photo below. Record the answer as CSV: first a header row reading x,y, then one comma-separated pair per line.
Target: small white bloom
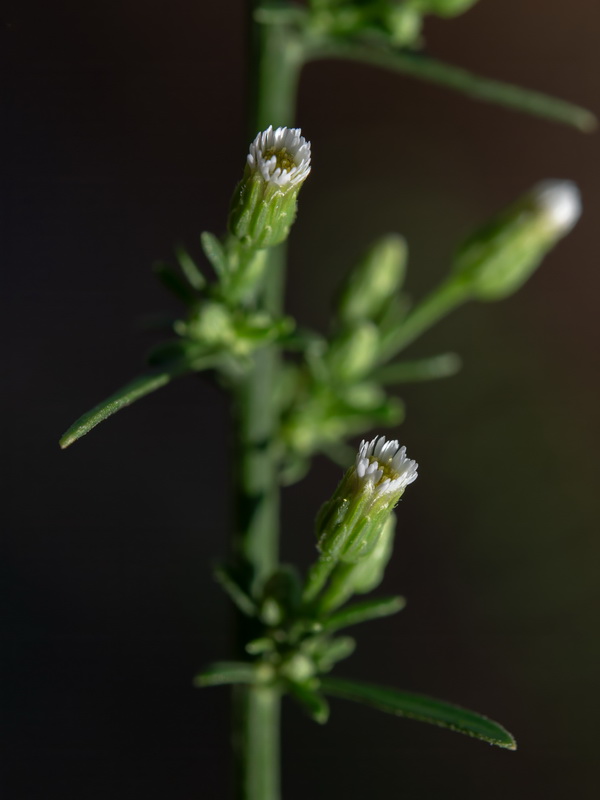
x,y
350,525
382,465
560,201
281,156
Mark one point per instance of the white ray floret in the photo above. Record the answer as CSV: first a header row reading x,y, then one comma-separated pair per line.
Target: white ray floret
x,y
560,201
281,156
382,465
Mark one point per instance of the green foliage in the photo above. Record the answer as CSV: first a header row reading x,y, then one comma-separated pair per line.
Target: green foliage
x,y
224,672
364,611
137,388
332,386
422,708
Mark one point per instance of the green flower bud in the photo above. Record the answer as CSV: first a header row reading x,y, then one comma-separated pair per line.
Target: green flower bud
x,y
264,203
211,324
378,276
365,576
353,353
499,258
362,577
404,24
350,525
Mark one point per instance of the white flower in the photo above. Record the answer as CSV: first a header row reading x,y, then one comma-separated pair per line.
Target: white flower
x,y
560,201
281,156
383,466
350,525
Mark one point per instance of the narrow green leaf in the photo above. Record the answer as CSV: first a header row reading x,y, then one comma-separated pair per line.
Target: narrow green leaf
x,y
329,651
428,69
226,672
213,250
241,599
311,701
189,268
257,647
422,708
173,282
128,394
363,612
425,369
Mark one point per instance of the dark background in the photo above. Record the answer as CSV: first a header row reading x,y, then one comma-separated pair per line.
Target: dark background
x,y
123,128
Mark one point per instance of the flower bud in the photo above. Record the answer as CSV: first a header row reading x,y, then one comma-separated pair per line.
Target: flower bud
x,y
378,276
499,258
368,573
404,24
363,576
349,526
353,353
264,203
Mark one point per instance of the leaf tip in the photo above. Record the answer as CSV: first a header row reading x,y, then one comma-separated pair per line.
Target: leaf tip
x,y
503,739
589,123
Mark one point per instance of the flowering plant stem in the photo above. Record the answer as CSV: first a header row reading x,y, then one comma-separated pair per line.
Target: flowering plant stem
x,y
276,61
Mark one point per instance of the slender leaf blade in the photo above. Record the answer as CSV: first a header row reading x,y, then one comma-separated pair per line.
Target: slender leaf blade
x,y
224,672
134,390
311,701
422,708
189,268
214,251
425,369
330,651
241,599
363,612
174,283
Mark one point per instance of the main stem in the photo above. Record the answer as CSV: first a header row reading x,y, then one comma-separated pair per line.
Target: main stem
x,y
275,65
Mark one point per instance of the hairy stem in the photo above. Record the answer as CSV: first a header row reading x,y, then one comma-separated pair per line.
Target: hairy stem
x,y
276,59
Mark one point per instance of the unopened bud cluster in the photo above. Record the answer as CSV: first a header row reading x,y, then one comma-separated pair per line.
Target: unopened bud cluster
x,y
265,201
349,526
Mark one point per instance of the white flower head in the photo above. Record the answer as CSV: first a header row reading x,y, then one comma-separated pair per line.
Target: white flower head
x,y
383,466
281,156
560,201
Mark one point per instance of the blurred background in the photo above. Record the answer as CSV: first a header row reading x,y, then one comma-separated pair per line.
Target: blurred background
x,y
123,133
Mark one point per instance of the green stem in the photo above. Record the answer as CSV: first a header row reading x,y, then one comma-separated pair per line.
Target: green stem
x,y
276,60
256,740
475,86
317,577
257,505
278,53
436,305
